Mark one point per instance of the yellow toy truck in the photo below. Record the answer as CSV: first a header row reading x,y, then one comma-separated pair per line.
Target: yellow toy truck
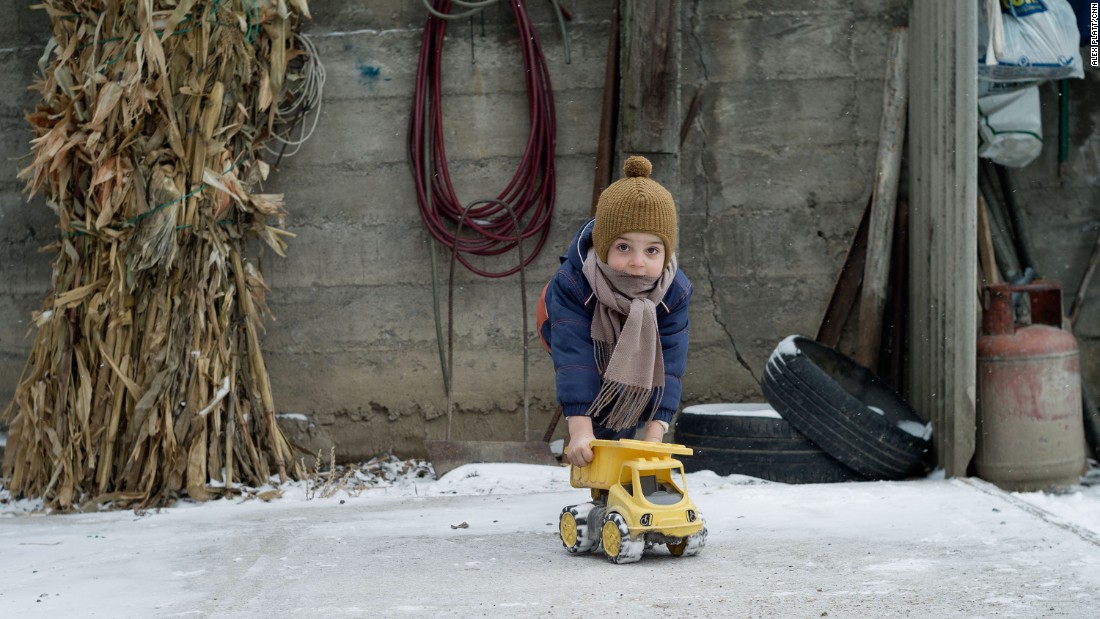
x,y
639,500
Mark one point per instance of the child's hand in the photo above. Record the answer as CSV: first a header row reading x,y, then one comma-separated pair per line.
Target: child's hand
x,y
655,431
580,450
580,439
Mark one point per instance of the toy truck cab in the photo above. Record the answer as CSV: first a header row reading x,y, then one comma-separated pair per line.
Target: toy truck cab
x,y
649,497
639,499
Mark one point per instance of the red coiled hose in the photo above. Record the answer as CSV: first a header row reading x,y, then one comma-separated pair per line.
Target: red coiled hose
x,y
531,191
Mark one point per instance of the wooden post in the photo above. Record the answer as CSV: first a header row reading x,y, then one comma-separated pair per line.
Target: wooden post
x,y
649,97
943,239
605,145
880,233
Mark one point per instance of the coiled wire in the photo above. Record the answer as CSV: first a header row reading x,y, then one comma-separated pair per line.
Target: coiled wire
x,y
302,96
530,192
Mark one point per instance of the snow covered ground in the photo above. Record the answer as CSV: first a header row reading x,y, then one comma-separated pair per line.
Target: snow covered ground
x,y
482,541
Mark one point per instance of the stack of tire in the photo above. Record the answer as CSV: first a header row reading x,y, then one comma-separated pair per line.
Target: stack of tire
x,y
828,419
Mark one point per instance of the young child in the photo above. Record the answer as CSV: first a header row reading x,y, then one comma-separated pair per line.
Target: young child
x,y
617,317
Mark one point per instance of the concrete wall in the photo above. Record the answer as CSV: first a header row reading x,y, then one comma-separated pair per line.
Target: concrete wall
x,y
1063,211
773,176
24,227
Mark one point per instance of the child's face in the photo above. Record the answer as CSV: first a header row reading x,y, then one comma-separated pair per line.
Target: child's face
x,y
637,253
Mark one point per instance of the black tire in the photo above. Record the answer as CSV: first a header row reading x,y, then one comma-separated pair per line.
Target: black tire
x,y
751,421
846,410
758,445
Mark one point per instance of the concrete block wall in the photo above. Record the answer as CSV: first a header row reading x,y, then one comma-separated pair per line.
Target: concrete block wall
x,y
355,346
24,227
773,176
775,172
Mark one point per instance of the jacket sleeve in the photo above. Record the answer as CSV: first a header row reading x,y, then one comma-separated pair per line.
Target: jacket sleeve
x,y
674,329
576,377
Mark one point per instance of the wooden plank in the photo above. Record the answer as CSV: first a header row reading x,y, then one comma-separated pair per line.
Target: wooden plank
x,y
986,256
649,105
693,111
605,145
892,356
846,286
919,382
880,233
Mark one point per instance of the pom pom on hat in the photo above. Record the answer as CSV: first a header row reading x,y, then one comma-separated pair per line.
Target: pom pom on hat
x,y
635,203
637,166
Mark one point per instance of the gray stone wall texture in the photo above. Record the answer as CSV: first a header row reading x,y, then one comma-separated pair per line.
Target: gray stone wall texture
x,y
773,176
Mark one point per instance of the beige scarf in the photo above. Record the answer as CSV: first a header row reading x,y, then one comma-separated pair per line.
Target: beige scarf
x,y
627,342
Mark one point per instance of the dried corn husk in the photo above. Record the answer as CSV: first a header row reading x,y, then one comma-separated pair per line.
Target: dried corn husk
x,y
146,378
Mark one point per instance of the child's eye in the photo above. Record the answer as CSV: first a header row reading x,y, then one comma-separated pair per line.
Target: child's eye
x,y
653,251
622,247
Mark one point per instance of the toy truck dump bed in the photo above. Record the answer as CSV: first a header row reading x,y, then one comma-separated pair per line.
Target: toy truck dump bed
x,y
606,467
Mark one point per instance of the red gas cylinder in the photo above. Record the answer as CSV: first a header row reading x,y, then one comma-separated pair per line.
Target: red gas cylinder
x,y
1030,428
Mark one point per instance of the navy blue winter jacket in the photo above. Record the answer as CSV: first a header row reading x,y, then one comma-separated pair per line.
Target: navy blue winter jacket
x,y
567,330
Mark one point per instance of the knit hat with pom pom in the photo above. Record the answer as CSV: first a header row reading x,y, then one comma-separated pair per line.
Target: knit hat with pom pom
x,y
635,203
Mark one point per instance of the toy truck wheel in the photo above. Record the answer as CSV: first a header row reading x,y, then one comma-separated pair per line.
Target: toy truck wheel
x,y
573,528
690,545
695,542
617,544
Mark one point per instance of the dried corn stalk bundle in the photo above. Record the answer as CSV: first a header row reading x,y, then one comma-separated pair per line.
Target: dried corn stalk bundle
x,y
146,377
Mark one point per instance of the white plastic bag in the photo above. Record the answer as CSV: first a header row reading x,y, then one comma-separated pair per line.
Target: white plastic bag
x,y
1010,127
1022,42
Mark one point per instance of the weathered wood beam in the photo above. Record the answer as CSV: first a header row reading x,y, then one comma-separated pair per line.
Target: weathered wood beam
x,y
605,144
846,287
943,155
880,233
649,97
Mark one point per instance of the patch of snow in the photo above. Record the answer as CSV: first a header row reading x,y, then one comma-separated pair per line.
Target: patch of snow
x,y
501,478
878,411
740,409
222,392
916,428
786,348
292,417
801,548
557,447
18,507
